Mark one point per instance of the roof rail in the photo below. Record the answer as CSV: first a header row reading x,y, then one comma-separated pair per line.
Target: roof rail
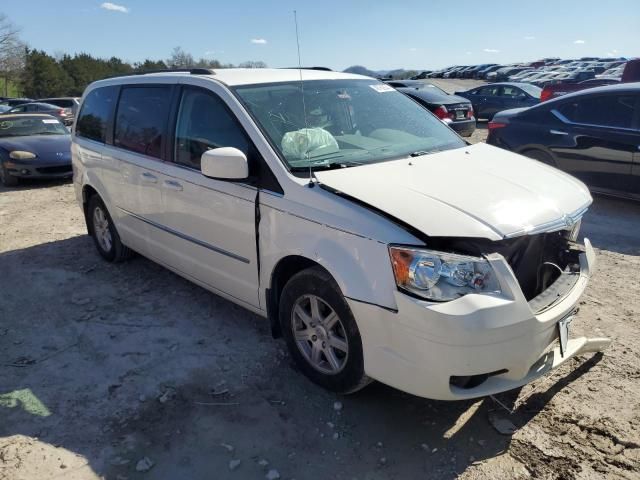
x,y
192,71
324,69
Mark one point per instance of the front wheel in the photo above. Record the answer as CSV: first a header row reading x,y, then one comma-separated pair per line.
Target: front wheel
x,y
104,232
321,333
6,178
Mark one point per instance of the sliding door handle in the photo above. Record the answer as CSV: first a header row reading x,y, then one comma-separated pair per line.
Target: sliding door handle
x,y
173,185
147,177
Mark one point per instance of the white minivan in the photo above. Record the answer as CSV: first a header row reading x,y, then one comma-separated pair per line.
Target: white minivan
x,y
376,241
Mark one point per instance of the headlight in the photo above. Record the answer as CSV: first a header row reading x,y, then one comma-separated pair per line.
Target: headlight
x,y
441,276
20,155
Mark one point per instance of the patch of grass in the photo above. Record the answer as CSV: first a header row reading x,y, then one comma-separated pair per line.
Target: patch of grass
x,y
12,90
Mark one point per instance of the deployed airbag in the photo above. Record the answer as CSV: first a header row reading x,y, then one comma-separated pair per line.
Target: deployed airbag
x,y
308,142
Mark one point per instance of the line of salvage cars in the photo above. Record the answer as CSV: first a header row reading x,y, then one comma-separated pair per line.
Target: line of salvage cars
x,y
375,240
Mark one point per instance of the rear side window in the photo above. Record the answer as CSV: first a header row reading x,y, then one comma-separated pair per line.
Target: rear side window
x,y
511,92
604,110
205,123
141,119
60,102
95,112
487,91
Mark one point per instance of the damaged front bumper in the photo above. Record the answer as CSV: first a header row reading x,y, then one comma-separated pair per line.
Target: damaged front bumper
x,y
474,346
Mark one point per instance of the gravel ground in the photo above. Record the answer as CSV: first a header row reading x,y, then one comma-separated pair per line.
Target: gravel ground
x,y
128,371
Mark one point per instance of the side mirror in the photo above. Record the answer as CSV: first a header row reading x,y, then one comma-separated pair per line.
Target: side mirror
x,y
226,163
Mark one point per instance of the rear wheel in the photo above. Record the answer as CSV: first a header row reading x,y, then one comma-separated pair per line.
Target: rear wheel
x,y
104,232
7,179
541,156
321,333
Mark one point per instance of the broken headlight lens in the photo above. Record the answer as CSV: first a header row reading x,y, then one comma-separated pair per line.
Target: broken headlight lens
x,y
441,276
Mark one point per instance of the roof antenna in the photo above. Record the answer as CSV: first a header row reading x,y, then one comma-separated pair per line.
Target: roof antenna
x,y
304,108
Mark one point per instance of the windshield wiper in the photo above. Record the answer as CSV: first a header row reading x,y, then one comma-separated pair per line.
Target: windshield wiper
x,y
419,153
325,166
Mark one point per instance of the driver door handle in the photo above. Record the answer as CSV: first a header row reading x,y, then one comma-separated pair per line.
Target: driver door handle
x,y
557,132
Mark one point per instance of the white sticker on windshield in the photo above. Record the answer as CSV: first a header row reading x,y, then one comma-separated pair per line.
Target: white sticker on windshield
x,y
49,120
381,87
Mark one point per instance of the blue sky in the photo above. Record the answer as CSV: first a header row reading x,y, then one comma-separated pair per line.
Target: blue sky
x,y
378,35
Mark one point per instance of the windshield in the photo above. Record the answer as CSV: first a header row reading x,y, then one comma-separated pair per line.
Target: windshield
x,y
30,125
348,122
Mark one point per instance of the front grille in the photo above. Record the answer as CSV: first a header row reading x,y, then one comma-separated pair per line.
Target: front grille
x,y
54,170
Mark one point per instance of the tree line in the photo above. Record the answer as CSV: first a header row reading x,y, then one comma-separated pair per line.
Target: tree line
x,y
37,74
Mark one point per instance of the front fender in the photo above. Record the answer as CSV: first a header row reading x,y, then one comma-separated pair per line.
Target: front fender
x,y
360,266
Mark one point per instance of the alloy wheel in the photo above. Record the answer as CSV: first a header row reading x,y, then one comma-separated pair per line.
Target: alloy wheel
x,y
101,229
319,334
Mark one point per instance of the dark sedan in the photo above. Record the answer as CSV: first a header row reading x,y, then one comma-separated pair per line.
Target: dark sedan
x,y
593,134
455,111
490,99
33,146
65,115
12,102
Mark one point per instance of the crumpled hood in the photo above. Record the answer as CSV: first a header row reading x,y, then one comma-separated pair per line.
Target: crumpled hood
x,y
476,191
38,144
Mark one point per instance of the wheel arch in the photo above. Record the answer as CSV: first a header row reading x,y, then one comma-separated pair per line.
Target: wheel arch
x,y
87,192
283,271
523,150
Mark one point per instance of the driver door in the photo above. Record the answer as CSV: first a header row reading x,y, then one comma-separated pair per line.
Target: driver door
x,y
209,224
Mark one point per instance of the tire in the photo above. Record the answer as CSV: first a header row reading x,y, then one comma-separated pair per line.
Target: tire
x,y
326,347
540,156
104,233
7,180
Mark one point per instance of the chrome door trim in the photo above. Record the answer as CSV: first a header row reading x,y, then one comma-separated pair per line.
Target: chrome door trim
x,y
187,237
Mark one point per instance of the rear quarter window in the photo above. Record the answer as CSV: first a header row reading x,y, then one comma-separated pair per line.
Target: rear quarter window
x,y
603,110
95,113
61,103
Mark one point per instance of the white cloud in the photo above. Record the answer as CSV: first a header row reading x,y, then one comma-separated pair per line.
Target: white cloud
x,y
529,37
611,53
579,42
468,53
114,8
491,50
413,49
258,41
208,53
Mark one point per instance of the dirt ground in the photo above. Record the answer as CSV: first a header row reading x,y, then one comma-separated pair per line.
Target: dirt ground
x,y
128,371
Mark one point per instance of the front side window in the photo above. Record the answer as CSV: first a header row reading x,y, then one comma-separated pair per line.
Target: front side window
x,y
141,119
205,123
95,112
343,122
604,110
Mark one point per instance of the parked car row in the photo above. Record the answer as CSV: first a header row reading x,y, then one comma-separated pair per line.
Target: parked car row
x,y
63,108
579,70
